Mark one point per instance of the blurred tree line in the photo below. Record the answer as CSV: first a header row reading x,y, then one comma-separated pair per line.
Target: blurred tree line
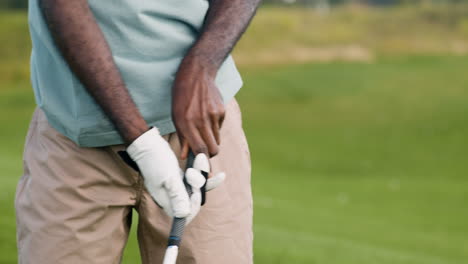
x,y
14,4
23,4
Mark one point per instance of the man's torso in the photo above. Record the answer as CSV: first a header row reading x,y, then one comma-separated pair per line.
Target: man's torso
x,y
148,40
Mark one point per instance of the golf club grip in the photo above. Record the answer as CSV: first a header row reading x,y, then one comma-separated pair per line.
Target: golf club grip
x,y
190,161
178,224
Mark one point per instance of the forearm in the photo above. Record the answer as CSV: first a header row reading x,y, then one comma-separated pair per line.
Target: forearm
x,y
225,23
197,107
86,51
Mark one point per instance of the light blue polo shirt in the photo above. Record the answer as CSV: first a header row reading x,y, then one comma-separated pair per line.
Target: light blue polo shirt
x,y
148,39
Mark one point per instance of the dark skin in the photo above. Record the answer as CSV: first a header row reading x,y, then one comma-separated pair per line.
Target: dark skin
x,y
198,111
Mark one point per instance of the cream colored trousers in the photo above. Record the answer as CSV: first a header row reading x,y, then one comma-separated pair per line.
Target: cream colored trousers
x,y
74,205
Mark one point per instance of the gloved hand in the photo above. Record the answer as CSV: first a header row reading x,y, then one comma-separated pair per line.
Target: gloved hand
x,y
201,164
164,179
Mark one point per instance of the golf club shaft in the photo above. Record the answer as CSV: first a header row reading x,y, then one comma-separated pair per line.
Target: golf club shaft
x,y
178,224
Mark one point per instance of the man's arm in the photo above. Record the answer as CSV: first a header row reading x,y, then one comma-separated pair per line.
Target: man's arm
x,y
225,23
198,110
86,51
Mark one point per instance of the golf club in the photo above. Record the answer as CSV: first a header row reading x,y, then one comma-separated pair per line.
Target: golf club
x,y
178,224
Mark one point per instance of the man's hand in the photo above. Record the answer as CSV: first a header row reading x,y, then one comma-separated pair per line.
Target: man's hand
x,y
162,176
201,164
198,109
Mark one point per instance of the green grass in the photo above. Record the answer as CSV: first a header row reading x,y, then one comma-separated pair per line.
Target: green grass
x,y
352,162
360,163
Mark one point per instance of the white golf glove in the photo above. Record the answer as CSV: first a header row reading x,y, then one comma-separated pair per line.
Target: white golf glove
x,y
200,164
164,179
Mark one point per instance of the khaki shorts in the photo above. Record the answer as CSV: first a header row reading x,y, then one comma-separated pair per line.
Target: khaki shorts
x,y
74,205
